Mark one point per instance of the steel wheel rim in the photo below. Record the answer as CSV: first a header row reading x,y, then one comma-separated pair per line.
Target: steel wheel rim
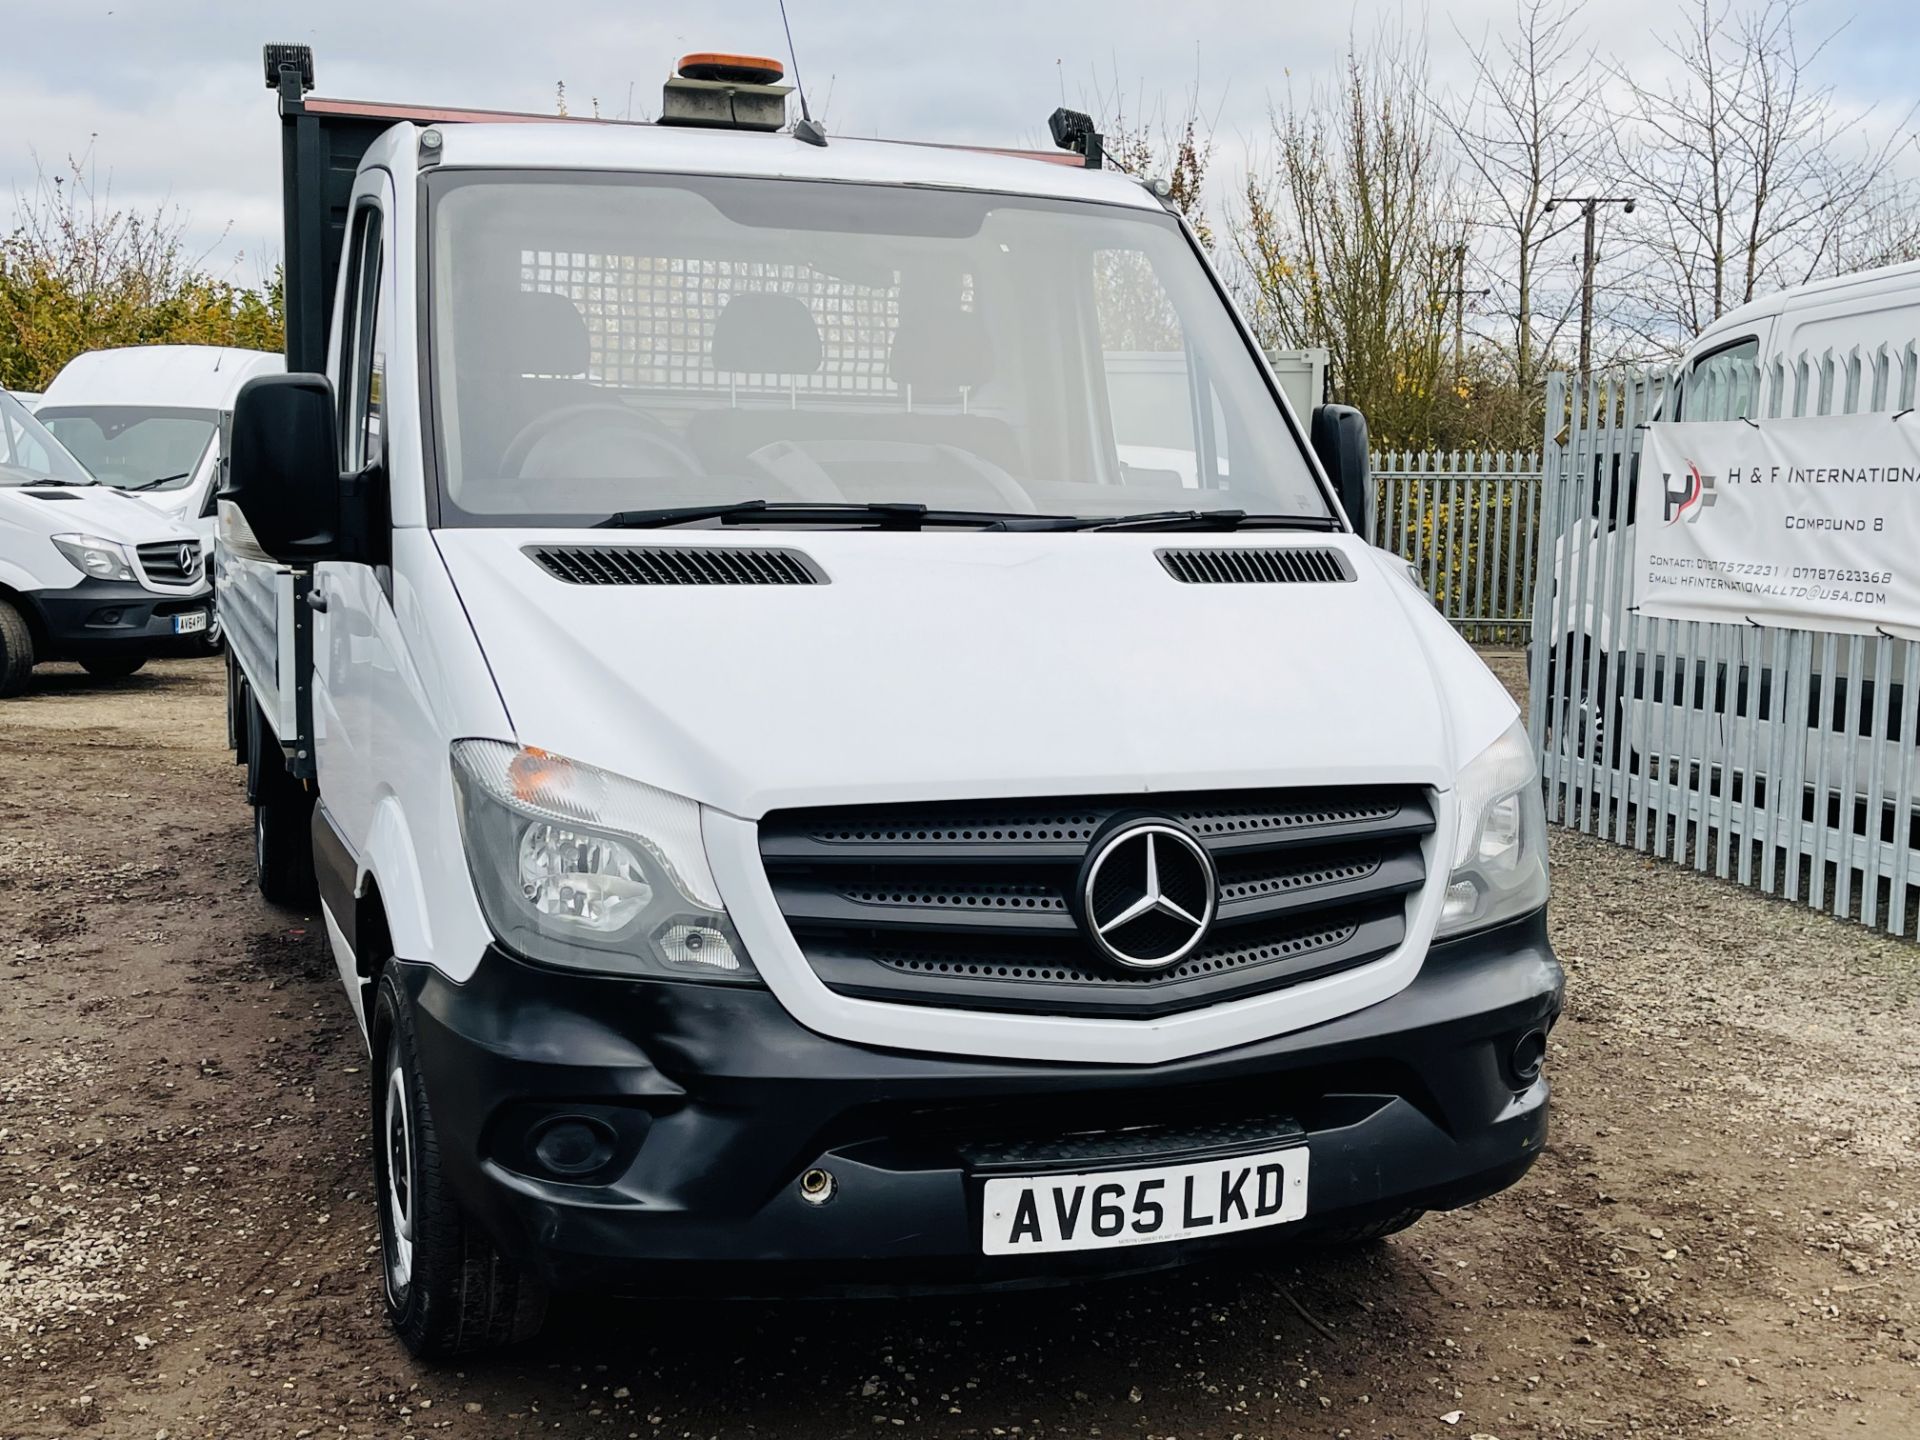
x,y
397,1146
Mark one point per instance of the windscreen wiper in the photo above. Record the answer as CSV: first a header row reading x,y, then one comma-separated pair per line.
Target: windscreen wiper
x,y
879,514
1203,520
54,480
158,481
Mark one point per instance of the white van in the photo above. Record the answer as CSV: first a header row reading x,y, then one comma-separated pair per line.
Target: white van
x,y
148,419
87,572
1717,381
791,805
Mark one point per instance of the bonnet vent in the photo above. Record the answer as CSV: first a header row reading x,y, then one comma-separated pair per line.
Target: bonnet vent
x,y
675,565
1267,566
50,494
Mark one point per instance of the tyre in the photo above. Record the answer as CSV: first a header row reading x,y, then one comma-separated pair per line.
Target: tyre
x,y
283,851
16,650
113,667
448,1289
239,702
1586,713
282,821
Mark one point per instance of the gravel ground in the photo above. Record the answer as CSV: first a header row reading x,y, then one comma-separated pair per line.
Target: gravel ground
x,y
1721,1238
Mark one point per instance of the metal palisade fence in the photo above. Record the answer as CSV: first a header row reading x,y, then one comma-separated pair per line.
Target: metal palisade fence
x,y
1780,759
1467,522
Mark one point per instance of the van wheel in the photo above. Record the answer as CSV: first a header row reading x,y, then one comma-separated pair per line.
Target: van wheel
x,y
113,667
282,822
1588,717
16,650
448,1290
283,852
239,702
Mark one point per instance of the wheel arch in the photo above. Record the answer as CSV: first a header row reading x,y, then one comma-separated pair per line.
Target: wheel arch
x,y
29,611
390,905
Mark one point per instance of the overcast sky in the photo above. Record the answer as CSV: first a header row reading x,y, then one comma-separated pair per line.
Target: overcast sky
x,y
168,95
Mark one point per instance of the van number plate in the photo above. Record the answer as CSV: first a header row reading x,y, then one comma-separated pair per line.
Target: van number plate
x,y
1037,1214
190,623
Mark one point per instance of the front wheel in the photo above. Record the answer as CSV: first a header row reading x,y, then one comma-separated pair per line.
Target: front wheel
x,y
16,650
448,1290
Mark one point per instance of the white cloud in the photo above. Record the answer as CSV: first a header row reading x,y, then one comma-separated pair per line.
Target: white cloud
x,y
171,96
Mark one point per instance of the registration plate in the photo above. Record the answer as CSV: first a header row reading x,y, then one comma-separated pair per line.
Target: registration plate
x,y
189,623
1037,1214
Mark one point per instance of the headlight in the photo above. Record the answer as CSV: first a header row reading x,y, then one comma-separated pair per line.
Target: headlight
x,y
102,559
1500,853
577,866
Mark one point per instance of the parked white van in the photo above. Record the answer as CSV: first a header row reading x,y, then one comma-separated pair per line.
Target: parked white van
x,y
1721,377
87,572
791,805
148,419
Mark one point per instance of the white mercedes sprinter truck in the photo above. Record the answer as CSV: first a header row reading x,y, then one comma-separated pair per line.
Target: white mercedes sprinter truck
x,y
86,573
792,804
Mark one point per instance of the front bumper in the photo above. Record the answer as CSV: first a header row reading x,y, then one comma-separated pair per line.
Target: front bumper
x,y
116,617
720,1102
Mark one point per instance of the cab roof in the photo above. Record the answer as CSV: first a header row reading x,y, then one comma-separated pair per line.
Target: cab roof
x,y
184,377
477,140
1904,276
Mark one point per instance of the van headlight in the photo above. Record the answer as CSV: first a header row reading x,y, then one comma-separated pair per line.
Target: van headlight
x,y
580,867
91,555
1500,853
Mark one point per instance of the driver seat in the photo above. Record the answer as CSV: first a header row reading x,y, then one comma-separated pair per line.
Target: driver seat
x,y
527,356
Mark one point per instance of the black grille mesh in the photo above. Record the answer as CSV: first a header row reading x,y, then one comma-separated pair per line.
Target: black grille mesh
x,y
974,903
675,565
161,560
1269,565
1212,960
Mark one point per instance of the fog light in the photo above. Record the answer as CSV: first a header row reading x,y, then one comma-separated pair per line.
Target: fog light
x,y
1529,1056
817,1187
573,1145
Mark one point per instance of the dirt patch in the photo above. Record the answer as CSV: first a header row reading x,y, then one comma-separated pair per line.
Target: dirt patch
x,y
1721,1238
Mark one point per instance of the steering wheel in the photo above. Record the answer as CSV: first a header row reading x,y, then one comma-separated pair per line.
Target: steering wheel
x,y
650,433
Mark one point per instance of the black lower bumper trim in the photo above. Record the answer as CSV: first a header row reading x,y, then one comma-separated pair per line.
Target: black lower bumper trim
x,y
1409,1103
108,617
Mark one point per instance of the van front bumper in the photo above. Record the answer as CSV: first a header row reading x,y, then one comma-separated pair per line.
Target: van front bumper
x,y
714,1103
116,617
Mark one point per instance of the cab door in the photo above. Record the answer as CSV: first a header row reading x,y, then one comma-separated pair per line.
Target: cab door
x,y
353,612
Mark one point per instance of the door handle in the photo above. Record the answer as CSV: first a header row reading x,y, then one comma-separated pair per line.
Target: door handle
x,y
317,600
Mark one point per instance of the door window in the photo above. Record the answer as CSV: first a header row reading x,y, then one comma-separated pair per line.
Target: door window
x,y
363,353
1721,384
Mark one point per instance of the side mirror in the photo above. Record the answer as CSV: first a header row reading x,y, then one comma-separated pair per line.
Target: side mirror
x,y
1339,434
283,472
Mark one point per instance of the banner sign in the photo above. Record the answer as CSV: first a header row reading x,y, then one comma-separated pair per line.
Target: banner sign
x,y
1807,524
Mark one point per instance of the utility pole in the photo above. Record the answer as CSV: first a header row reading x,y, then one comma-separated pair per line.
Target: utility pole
x,y
1589,206
1458,294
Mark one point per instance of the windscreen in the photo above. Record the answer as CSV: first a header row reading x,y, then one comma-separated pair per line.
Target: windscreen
x,y
134,447
618,343
29,454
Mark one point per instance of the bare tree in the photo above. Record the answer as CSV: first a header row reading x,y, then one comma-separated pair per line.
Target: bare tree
x,y
1529,126
80,272
1350,239
1752,176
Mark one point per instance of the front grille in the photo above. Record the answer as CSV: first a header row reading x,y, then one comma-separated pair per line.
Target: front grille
x,y
969,904
675,565
161,561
